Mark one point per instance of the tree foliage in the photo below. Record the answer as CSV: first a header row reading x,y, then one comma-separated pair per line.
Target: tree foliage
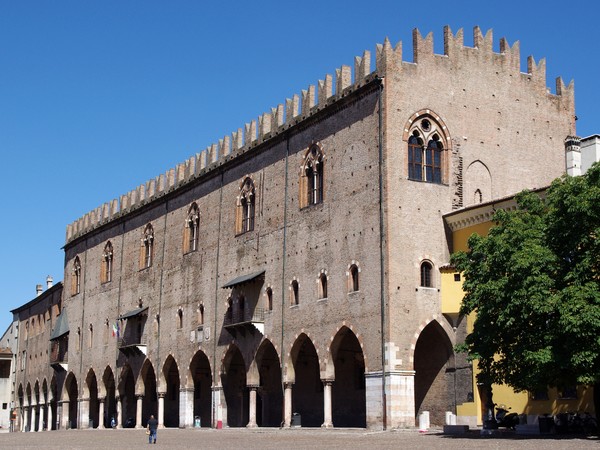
x,y
533,283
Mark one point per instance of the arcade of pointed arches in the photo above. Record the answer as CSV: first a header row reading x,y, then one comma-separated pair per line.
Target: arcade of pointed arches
x,y
255,393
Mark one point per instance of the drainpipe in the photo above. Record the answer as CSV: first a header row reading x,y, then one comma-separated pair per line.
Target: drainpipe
x,y
283,262
216,303
381,258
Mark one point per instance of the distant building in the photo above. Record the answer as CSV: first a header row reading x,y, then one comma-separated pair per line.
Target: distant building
x,y
8,354
292,273
36,391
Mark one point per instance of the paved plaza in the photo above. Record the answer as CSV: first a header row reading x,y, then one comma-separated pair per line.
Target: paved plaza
x,y
273,439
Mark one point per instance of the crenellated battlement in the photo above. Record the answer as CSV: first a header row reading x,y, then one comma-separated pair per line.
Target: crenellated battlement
x,y
315,98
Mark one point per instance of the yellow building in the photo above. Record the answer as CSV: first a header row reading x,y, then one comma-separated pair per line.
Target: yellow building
x,y
462,224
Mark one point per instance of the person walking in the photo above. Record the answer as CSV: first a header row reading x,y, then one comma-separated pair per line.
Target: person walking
x,y
152,426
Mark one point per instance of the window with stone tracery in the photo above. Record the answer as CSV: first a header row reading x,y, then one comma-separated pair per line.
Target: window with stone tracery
x,y
192,225
245,208
426,151
312,177
76,277
107,263
147,247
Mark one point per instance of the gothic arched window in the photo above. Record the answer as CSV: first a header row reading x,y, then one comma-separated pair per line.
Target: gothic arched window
x,y
192,225
312,177
426,151
246,207
147,247
107,263
76,277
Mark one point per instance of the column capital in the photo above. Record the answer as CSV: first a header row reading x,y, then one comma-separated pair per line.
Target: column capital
x,y
253,387
139,396
161,394
288,384
327,381
186,389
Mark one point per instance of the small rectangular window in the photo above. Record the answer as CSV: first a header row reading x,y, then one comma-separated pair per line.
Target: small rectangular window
x,y
457,277
4,405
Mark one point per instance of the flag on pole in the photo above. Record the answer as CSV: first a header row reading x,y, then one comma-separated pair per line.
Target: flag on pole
x,y
115,331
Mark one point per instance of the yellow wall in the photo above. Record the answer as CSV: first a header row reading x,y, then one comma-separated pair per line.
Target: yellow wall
x,y
519,402
460,237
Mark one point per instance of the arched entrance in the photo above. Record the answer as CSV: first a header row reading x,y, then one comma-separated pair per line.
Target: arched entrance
x,y
110,405
233,378
45,405
202,379
349,408
54,404
269,400
434,373
307,393
127,395
150,399
71,391
35,426
94,405
171,374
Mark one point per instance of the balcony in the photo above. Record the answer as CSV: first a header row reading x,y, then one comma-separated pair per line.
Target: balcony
x,y
59,357
244,321
132,346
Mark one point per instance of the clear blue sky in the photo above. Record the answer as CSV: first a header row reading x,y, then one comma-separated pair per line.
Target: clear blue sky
x,y
98,97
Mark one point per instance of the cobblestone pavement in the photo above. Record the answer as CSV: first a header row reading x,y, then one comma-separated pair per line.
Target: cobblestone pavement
x,y
278,439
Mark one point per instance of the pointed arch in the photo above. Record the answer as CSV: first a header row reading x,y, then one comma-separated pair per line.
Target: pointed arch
x,y
146,387
477,183
108,392
434,372
126,388
70,395
200,379
171,376
349,408
304,371
233,380
90,390
270,394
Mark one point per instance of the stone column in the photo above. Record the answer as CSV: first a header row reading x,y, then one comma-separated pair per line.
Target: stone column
x,y
138,410
161,409
50,417
34,417
101,413
84,413
217,407
287,404
119,412
186,407
252,407
65,414
26,418
327,423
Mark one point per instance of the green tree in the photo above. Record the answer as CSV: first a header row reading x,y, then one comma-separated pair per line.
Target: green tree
x,y
534,284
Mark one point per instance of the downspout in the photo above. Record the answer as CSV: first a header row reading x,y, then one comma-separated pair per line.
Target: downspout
x,y
381,258
283,262
214,376
160,290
